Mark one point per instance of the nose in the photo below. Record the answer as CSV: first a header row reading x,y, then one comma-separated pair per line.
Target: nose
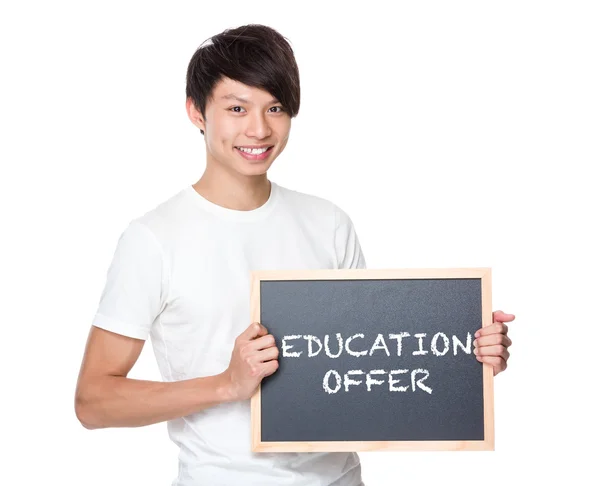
x,y
258,126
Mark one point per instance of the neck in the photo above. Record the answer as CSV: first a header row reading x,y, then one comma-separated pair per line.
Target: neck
x,y
233,190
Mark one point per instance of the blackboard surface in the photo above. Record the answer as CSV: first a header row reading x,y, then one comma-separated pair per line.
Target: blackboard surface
x,y
420,329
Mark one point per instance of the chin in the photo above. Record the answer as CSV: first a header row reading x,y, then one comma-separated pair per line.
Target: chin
x,y
248,168
253,169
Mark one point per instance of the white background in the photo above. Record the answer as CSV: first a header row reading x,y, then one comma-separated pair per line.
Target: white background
x,y
453,133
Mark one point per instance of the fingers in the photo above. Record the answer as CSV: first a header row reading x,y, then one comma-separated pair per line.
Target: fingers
x,y
250,348
270,367
254,357
258,351
495,328
261,363
499,316
491,339
492,342
496,350
256,329
263,342
266,355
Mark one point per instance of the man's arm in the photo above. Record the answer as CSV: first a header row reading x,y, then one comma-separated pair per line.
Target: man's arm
x,y
105,397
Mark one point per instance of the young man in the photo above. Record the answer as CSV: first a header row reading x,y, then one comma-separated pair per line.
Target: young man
x,y
180,274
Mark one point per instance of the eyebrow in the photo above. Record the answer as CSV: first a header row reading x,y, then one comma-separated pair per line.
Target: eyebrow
x,y
234,97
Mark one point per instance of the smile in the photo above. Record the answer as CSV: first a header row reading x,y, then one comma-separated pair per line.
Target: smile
x,y
254,154
253,151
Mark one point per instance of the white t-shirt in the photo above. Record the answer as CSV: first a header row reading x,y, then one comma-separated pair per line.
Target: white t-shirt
x,y
181,275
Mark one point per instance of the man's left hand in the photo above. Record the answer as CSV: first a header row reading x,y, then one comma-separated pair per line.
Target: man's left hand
x,y
492,342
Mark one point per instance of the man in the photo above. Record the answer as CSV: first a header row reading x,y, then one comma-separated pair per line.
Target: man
x,y
180,274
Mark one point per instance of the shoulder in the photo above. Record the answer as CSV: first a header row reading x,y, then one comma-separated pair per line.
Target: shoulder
x,y
311,205
163,219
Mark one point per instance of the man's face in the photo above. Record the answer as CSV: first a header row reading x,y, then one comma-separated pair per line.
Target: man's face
x,y
242,117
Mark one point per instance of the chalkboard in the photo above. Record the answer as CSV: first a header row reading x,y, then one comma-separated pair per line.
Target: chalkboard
x,y
373,360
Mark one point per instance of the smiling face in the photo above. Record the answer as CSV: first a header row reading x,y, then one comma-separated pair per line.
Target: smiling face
x,y
241,119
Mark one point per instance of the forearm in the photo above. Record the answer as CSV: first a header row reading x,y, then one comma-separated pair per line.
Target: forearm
x,y
116,401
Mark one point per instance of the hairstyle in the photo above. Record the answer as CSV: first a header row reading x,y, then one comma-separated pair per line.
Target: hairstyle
x,y
253,54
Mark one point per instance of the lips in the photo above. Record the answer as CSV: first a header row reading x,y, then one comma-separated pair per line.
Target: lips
x,y
260,156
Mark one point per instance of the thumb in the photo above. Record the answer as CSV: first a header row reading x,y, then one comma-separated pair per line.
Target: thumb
x,y
500,316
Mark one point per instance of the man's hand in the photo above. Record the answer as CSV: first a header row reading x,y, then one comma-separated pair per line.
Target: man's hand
x,y
254,356
492,342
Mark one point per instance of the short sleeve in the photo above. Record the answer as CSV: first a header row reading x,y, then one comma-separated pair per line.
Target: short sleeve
x,y
347,246
136,285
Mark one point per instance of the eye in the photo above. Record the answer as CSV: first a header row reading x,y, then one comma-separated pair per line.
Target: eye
x,y
235,110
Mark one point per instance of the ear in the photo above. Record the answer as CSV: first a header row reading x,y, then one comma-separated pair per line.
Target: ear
x,y
194,114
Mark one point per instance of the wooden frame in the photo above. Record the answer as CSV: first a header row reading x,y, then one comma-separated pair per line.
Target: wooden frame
x,y
355,274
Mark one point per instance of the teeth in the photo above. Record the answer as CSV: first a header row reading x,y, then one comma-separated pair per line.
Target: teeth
x,y
253,151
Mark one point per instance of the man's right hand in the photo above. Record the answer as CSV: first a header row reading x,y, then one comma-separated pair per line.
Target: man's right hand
x,y
254,356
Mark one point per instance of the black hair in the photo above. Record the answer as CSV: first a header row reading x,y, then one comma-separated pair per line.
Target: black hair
x,y
253,54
